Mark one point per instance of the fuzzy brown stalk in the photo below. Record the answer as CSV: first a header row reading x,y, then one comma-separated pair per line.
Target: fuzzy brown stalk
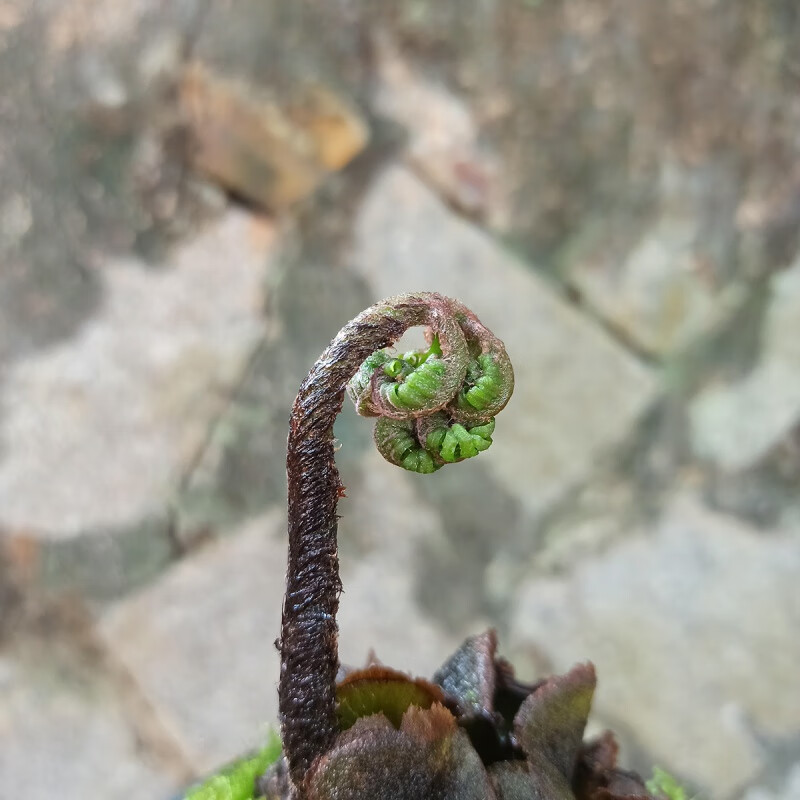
x,y
308,644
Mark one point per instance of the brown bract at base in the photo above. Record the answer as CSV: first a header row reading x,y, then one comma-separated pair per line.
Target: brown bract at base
x,y
475,733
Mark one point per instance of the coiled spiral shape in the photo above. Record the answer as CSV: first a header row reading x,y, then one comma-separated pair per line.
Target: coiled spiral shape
x,y
436,406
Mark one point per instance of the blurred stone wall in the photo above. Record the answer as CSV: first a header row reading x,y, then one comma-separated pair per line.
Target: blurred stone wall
x,y
612,186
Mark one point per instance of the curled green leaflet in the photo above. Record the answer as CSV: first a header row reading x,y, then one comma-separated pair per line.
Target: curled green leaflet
x,y
436,406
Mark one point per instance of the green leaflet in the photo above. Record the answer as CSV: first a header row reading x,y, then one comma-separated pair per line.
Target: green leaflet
x,y
446,442
418,376
398,367
484,383
420,387
416,379
662,784
408,362
237,780
454,442
440,403
397,442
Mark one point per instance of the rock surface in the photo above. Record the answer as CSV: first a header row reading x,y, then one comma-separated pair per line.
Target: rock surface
x,y
790,790
690,627
65,733
384,532
444,146
108,420
656,198
735,426
200,643
666,289
256,148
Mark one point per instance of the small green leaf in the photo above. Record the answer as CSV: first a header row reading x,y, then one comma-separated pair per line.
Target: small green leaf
x,y
662,784
453,442
397,442
419,388
237,780
487,383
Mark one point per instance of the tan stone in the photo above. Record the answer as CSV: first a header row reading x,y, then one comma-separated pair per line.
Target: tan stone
x,y
200,643
444,145
692,627
270,155
736,425
335,129
65,731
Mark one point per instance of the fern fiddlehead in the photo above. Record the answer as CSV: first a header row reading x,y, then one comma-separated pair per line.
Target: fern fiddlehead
x,y
435,407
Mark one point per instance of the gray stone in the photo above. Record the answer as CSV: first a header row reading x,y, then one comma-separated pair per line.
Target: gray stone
x,y
765,495
96,431
663,286
102,563
585,133
736,425
64,732
200,643
385,529
98,22
577,394
44,294
444,146
15,221
789,791
693,630
588,523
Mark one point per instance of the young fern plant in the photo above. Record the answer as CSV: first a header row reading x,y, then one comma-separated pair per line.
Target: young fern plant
x,y
474,732
421,402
